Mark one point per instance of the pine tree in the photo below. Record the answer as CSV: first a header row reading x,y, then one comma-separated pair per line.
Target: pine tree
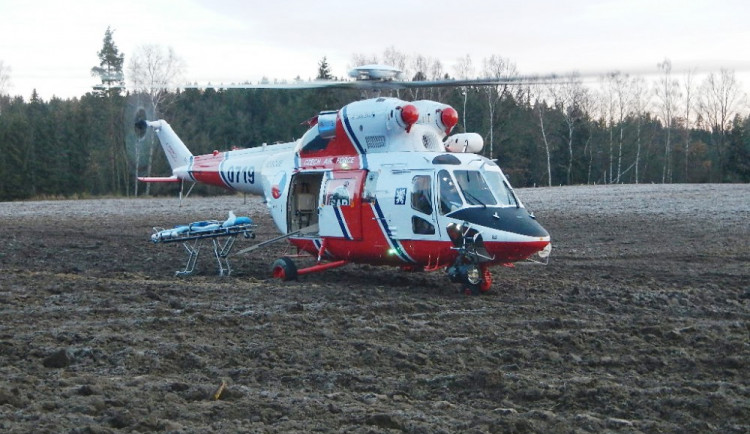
x,y
112,155
110,67
324,71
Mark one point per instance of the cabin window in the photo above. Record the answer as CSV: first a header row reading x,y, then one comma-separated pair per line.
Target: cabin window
x,y
422,226
421,194
450,200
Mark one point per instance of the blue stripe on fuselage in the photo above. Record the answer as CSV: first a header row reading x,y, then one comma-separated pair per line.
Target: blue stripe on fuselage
x,y
353,137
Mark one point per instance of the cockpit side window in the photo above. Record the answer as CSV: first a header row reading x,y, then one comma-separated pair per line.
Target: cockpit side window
x,y
474,187
501,189
450,200
421,194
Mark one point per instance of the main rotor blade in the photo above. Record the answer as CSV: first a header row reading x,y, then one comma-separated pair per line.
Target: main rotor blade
x,y
318,84
385,84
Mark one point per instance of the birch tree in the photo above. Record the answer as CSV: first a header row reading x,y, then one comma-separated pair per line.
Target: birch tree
x,y
568,97
464,69
688,89
608,113
540,107
499,68
667,92
639,103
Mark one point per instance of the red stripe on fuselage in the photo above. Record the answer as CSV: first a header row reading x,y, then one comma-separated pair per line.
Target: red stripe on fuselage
x,y
427,253
205,168
374,247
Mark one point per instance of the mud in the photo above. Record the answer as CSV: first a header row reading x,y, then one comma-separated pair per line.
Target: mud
x,y
639,323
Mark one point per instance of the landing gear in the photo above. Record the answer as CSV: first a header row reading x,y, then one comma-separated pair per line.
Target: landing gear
x,y
284,269
470,268
475,278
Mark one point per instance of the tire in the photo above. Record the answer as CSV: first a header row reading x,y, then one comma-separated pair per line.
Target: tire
x,y
284,269
477,281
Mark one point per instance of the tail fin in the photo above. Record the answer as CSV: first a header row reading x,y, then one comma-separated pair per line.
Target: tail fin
x,y
177,153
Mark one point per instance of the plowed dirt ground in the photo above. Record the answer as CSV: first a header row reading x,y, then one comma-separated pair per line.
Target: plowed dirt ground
x,y
640,322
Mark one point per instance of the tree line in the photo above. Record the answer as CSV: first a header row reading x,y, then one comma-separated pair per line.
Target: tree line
x,y
570,130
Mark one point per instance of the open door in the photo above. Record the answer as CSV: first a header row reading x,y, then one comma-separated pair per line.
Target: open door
x,y
341,204
303,200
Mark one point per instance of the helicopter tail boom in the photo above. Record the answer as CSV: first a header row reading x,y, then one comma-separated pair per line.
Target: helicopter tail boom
x,y
177,153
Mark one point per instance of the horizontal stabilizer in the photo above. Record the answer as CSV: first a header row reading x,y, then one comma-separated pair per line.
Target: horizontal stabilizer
x,y
158,179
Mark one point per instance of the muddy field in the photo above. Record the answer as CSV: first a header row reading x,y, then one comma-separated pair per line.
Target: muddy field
x,y
640,322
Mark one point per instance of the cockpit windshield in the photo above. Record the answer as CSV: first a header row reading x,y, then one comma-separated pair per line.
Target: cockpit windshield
x,y
483,188
474,188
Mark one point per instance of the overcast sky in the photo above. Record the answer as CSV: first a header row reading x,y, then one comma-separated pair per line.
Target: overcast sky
x,y
52,45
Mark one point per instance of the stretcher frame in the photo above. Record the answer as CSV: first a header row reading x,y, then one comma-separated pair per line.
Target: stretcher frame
x,y
192,238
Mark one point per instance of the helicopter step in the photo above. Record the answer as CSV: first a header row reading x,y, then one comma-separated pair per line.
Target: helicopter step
x,y
304,231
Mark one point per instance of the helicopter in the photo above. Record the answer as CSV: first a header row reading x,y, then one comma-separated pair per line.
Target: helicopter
x,y
381,181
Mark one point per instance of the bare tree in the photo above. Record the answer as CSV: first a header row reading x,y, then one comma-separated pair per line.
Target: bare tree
x,y
152,71
464,67
667,91
617,97
568,97
4,82
360,59
464,70
496,67
4,78
719,99
622,82
688,88
540,92
589,107
608,107
436,72
397,59
639,103
420,65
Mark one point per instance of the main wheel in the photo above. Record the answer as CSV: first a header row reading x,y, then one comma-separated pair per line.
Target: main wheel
x,y
284,269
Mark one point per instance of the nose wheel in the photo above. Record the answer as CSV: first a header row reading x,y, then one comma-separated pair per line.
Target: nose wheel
x,y
475,279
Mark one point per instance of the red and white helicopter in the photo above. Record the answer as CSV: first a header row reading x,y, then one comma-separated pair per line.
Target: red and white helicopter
x,y
380,181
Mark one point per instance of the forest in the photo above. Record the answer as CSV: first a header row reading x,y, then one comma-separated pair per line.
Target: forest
x,y
568,130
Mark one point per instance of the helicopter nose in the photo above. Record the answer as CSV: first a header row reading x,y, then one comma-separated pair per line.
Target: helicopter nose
x,y
506,219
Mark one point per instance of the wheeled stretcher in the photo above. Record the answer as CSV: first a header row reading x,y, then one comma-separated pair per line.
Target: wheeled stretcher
x,y
222,236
